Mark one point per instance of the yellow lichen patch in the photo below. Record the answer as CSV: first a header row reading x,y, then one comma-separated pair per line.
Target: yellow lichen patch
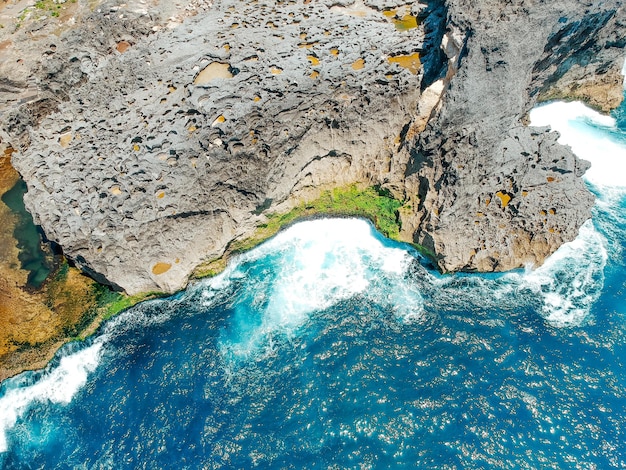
x,y
65,139
326,33
115,190
160,194
314,75
270,24
358,64
551,230
487,201
542,212
479,214
234,25
177,260
504,198
192,129
256,98
122,46
172,88
218,120
334,52
314,60
389,13
213,71
226,47
550,179
405,23
552,211
276,70
524,193
411,62
307,45
136,147
161,268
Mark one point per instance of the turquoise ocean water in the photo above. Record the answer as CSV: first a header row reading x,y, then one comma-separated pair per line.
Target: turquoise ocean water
x,y
332,347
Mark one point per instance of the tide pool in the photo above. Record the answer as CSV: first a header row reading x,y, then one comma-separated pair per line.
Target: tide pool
x,y
330,346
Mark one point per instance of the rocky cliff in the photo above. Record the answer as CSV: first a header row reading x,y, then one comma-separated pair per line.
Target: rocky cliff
x,y
148,150
488,192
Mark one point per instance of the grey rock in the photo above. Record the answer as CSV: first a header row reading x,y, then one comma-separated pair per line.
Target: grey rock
x,y
148,167
142,161
489,194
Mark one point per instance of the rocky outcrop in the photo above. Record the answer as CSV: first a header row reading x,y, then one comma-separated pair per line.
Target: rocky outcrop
x,y
164,153
487,192
149,150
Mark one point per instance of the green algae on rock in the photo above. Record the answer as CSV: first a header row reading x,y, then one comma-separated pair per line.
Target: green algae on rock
x,y
373,203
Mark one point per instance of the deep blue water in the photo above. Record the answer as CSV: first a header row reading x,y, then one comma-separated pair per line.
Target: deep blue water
x,y
331,347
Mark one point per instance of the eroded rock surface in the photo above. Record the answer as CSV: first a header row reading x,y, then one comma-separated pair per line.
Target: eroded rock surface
x,y
149,150
487,192
163,154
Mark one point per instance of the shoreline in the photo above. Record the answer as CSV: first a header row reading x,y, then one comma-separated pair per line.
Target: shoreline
x,y
85,304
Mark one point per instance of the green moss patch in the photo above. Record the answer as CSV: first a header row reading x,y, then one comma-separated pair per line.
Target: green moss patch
x,y
373,203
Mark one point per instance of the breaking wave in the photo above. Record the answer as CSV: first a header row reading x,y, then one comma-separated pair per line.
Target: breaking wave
x,y
331,342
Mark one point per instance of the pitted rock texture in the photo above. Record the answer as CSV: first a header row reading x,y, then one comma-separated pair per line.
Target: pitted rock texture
x,y
488,193
165,153
149,150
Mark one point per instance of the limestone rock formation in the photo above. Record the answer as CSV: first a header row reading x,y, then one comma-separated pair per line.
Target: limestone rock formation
x,y
164,153
149,149
487,192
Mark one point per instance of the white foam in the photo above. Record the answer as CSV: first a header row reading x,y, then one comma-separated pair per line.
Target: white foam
x,y
58,385
562,291
597,143
321,263
324,262
570,281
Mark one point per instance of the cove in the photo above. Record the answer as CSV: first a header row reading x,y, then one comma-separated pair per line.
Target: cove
x,y
330,346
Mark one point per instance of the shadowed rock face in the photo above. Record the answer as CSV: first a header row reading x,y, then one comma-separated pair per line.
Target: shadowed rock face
x,y
144,159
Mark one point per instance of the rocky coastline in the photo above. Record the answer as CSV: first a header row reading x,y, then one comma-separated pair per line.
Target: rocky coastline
x,y
153,140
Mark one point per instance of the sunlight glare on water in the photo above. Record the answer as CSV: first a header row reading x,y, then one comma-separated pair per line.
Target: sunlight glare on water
x,y
332,347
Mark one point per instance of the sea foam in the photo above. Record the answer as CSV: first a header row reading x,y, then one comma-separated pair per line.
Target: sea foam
x,y
570,281
57,385
591,135
315,265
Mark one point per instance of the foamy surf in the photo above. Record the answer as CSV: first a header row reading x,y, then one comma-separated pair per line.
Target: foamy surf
x,y
57,385
562,291
570,281
320,263
592,136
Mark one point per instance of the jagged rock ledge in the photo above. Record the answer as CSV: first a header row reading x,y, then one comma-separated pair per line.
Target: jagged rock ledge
x,y
145,159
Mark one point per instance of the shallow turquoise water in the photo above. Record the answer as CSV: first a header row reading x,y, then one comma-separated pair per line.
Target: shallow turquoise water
x,y
31,256
331,347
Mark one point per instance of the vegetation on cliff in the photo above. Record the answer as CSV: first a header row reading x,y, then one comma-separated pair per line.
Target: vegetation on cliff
x,y
373,203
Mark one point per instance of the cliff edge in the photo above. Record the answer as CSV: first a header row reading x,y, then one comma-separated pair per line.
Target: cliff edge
x,y
488,192
148,150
